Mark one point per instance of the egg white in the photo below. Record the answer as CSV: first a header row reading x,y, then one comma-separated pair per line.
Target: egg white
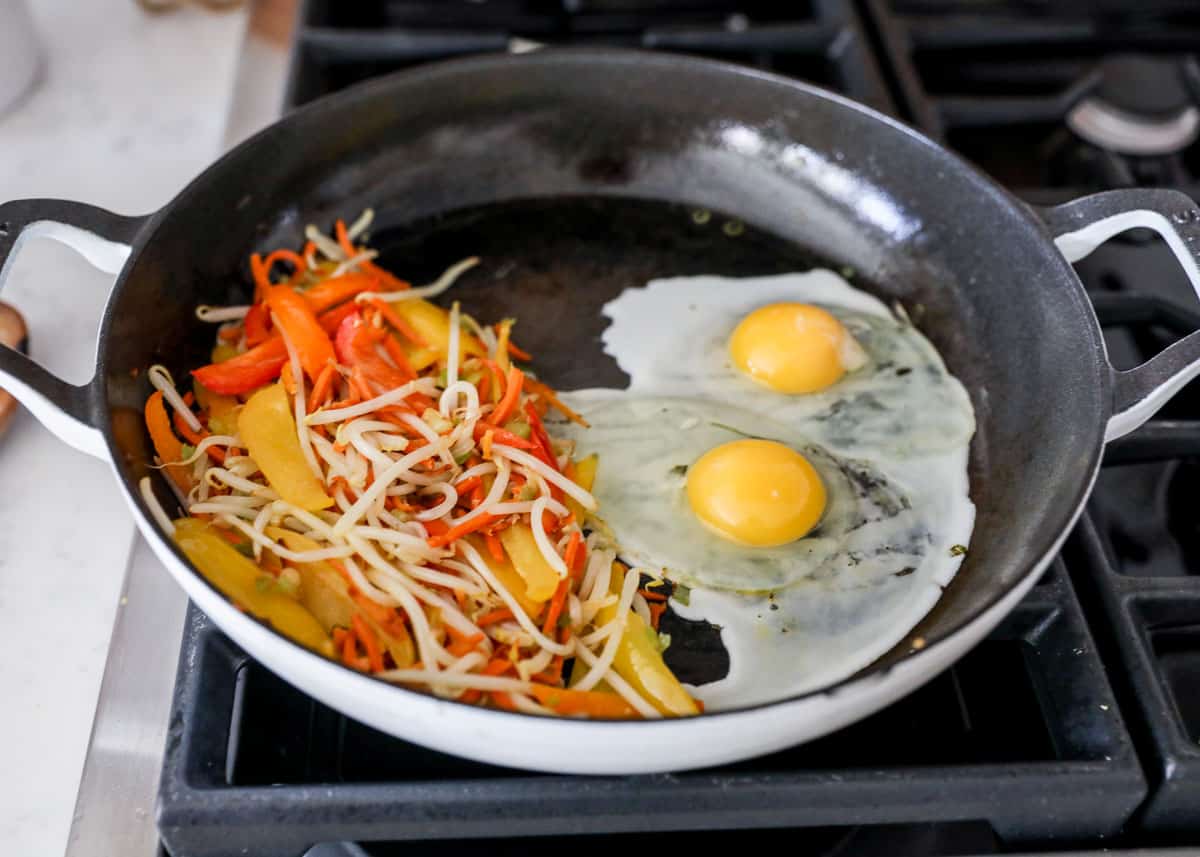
x,y
806,615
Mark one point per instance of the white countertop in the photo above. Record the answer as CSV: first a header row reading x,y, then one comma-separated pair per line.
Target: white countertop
x,y
129,108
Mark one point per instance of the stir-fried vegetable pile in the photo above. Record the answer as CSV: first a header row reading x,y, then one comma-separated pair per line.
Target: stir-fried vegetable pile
x,y
372,475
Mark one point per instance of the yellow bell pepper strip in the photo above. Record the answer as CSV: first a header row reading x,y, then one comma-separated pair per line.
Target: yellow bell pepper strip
x,y
583,474
268,430
222,410
503,332
591,703
326,594
541,580
639,661
432,324
166,444
244,372
300,323
508,577
239,579
223,351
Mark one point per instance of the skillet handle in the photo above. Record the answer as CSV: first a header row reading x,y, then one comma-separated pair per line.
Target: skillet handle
x,y
104,239
1082,225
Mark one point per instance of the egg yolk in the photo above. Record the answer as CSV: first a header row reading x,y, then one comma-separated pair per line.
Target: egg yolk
x,y
794,348
756,492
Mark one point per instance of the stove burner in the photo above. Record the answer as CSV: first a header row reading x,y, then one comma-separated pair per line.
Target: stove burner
x,y
1140,106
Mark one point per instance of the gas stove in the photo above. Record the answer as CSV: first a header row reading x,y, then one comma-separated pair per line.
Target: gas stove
x,y
1073,728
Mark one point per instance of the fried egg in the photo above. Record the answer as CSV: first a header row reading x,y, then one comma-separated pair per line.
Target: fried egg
x,y
802,349
728,524
792,454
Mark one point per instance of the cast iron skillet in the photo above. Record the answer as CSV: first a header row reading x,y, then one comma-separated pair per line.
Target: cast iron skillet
x,y
583,168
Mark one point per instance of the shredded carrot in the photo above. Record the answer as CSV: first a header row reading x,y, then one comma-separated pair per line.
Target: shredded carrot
x,y
343,238
552,675
230,333
500,435
474,639
396,352
580,562
349,651
390,280
485,443
358,382
321,388
649,595
459,530
495,616
495,548
297,261
503,700
194,438
352,398
556,606
437,527
471,696
370,642
593,703
657,608
381,615
498,666
393,318
546,392
519,353
467,485
571,554
512,392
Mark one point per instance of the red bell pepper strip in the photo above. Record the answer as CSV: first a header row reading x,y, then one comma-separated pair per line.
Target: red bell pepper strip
x,y
332,319
247,371
258,325
329,293
355,346
538,431
300,324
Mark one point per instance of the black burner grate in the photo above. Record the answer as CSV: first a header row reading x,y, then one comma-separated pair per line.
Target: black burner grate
x,y
995,79
338,44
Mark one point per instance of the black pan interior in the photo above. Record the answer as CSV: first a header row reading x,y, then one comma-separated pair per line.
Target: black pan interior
x,y
577,174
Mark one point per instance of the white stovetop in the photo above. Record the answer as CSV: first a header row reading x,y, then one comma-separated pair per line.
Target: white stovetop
x,y
129,108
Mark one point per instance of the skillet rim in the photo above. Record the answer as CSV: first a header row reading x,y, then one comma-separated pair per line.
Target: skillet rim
x,y
999,199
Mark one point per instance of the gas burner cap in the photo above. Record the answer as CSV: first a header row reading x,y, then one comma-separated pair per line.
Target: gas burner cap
x,y
1140,106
